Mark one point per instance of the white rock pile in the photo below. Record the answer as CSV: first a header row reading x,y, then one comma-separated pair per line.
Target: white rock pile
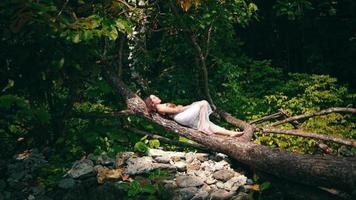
x,y
194,175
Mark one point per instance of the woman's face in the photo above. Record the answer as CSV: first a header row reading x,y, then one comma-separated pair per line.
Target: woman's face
x,y
155,100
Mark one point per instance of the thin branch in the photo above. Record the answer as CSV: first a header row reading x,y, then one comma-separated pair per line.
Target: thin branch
x,y
167,140
120,54
286,115
323,112
126,4
208,41
98,115
266,118
311,135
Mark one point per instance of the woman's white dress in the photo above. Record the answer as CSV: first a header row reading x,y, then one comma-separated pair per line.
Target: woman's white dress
x,y
196,117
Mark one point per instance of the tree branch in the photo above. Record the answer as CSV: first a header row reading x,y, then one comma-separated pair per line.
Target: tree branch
x,y
323,112
99,115
311,135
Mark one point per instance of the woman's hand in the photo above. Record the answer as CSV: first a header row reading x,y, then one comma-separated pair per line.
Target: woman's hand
x,y
180,108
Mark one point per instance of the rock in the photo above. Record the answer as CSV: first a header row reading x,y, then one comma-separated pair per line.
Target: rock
x,y
170,184
80,168
201,195
180,165
210,180
91,157
202,157
194,165
158,152
241,196
105,160
220,185
105,173
206,188
175,158
143,165
221,194
189,181
122,157
208,166
186,193
66,183
189,157
162,159
218,157
249,181
223,175
31,197
222,165
235,182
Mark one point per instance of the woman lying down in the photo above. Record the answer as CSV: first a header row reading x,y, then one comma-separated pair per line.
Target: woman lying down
x,y
195,115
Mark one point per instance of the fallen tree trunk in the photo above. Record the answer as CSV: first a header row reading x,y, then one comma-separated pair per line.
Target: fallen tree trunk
x,y
326,171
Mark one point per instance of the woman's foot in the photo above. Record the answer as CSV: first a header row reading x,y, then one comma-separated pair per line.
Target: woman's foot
x,y
236,134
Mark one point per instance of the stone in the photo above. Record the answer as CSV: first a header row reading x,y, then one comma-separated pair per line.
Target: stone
x,y
223,175
241,196
105,173
221,165
122,157
159,152
221,195
189,157
143,165
66,183
235,182
105,160
220,185
206,188
187,193
180,165
249,181
202,157
80,168
175,158
194,165
208,166
201,195
170,184
210,180
189,181
162,159
218,157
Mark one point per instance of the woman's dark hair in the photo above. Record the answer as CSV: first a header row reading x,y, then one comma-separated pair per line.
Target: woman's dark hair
x,y
149,105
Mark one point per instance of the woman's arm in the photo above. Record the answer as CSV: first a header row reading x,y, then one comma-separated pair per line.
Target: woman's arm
x,y
162,108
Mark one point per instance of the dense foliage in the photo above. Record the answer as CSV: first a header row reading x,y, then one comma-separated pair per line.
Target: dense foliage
x,y
260,57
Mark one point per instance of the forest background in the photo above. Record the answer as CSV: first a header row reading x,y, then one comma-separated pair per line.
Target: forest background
x,y
259,56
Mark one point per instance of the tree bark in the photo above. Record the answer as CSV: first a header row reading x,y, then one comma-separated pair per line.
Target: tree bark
x,y
325,171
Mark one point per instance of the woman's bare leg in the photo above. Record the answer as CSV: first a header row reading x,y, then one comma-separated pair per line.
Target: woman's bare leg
x,y
204,124
222,131
208,127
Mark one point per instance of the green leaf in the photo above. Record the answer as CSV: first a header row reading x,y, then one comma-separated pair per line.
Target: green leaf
x,y
10,84
76,38
141,147
154,143
265,186
149,188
